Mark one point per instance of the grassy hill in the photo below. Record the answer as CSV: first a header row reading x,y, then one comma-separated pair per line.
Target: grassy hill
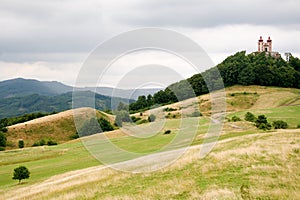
x,y
58,127
247,163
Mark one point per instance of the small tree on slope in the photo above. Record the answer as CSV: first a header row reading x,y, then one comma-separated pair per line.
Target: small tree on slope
x,y
21,173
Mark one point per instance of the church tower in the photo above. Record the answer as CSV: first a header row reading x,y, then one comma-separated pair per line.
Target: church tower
x,y
269,44
260,44
267,47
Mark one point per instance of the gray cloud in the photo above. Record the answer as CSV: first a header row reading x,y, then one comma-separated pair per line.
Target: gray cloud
x,y
49,26
201,14
44,38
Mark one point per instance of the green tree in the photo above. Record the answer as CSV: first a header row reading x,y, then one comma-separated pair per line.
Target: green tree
x,y
21,144
21,173
122,116
2,139
250,117
235,118
89,127
262,123
280,124
105,125
122,106
151,118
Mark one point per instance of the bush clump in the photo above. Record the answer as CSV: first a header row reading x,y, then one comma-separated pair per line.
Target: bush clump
x,y
21,144
262,123
122,116
167,132
280,124
151,118
2,139
143,121
250,117
74,136
169,109
51,143
196,114
235,119
135,119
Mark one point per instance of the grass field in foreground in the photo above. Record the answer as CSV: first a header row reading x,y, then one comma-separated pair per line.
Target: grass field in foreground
x,y
44,162
266,164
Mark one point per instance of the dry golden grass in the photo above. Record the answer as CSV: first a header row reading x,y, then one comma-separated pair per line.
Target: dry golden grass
x,y
57,127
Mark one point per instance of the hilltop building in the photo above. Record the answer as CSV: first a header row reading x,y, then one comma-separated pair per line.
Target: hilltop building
x,y
267,47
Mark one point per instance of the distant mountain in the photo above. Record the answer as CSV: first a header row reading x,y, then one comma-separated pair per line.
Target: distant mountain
x,y
16,106
24,87
20,96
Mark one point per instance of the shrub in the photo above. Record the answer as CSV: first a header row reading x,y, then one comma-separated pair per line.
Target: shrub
x,y
35,144
21,173
262,123
122,116
135,119
167,132
143,121
3,129
298,126
151,118
75,135
2,148
42,142
21,144
105,125
51,143
250,117
2,139
169,109
264,126
196,114
235,118
280,124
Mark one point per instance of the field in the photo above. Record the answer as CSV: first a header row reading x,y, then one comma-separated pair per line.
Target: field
x,y
265,164
246,163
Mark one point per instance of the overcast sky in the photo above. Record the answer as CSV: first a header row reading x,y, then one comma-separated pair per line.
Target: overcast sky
x,y
51,39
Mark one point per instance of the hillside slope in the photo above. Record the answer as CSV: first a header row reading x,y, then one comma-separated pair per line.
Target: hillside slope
x,y
58,127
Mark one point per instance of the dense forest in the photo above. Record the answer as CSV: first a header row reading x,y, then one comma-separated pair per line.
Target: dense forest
x,y
239,69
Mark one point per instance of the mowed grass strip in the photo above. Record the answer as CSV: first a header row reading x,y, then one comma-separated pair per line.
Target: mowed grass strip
x,y
44,162
290,114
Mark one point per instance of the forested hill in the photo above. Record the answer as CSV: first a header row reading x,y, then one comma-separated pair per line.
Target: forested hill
x,y
241,69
